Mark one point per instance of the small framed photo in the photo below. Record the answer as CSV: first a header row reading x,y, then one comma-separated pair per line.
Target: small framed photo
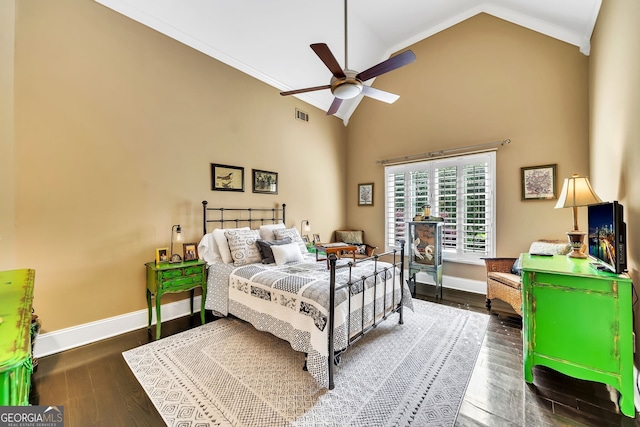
x,y
316,238
305,239
265,182
365,194
227,178
162,255
539,182
190,251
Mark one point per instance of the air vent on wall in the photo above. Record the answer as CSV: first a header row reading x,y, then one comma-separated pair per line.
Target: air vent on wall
x,y
301,115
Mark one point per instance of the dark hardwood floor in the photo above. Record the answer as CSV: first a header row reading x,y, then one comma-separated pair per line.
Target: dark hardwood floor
x,y
97,388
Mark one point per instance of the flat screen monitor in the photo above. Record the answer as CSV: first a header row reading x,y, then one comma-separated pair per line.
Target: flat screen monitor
x,y
607,237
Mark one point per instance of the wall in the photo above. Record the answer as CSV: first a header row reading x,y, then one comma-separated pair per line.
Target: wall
x,y
480,81
115,129
7,189
614,88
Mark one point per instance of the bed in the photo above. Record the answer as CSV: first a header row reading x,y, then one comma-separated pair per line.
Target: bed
x,y
261,272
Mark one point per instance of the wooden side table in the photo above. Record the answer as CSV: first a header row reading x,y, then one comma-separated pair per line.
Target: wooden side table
x,y
334,248
172,278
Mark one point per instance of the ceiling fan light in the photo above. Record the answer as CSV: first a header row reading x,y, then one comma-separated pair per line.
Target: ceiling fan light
x,y
347,90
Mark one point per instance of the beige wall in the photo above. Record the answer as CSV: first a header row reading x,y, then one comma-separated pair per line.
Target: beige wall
x,y
7,188
115,128
480,81
614,88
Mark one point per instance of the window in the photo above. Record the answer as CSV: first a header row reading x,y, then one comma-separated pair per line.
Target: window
x,y
459,189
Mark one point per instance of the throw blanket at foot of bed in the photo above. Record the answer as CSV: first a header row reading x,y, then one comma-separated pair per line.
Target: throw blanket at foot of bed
x,y
226,373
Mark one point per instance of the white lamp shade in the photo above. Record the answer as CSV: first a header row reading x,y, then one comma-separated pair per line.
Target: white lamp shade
x,y
577,191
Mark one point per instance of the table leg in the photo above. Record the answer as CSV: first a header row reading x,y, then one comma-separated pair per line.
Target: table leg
x,y
202,302
158,315
149,308
191,292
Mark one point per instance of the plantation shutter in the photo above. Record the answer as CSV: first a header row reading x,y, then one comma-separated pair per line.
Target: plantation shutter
x,y
459,189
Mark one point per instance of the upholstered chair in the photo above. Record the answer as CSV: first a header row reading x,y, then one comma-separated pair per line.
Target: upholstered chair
x,y
356,238
503,275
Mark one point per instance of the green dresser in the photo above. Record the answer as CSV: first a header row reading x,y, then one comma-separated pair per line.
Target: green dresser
x,y
578,321
170,278
16,298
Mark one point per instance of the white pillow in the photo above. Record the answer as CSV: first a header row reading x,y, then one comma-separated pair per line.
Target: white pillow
x,y
266,231
284,254
208,249
242,244
293,234
223,245
549,248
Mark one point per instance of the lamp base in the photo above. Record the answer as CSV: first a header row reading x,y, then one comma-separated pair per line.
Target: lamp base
x,y
576,240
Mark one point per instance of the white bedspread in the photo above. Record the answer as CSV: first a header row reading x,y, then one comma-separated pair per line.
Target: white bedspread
x,y
292,302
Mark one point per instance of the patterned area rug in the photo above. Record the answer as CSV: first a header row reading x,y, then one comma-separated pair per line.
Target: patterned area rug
x,y
226,373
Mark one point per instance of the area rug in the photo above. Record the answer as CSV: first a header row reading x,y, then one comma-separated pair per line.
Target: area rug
x,y
226,373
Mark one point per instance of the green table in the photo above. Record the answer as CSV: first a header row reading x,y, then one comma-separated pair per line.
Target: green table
x,y
16,298
578,321
170,278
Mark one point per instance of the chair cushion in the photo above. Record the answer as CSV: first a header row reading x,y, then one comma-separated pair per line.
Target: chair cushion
x,y
511,280
350,236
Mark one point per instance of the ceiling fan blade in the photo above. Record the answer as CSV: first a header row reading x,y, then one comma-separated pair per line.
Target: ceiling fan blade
x,y
308,89
335,105
324,53
380,95
395,62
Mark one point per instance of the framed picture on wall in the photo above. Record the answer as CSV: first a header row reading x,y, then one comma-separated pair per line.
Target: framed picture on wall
x,y
265,182
539,182
365,194
227,178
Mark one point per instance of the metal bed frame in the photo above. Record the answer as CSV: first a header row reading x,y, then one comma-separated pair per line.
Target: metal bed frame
x,y
260,215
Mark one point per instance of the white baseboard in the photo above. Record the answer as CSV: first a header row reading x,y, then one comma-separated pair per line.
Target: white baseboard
x,y
452,282
76,336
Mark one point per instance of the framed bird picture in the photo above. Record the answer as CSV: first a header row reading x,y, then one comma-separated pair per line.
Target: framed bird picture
x,y
227,178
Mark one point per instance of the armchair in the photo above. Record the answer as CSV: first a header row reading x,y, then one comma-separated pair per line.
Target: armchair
x,y
503,276
356,238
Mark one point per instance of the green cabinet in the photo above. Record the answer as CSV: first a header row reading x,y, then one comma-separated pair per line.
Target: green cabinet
x,y
171,278
16,298
578,321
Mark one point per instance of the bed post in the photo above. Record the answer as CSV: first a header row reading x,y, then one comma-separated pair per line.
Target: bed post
x,y
401,280
204,217
284,206
332,309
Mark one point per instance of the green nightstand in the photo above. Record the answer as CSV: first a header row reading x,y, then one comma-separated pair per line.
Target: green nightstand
x,y
16,296
172,278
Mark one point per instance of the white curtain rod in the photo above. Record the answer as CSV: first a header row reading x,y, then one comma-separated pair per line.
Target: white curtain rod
x,y
443,153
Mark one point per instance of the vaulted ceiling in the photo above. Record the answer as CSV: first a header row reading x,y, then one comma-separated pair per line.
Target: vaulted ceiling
x,y
269,39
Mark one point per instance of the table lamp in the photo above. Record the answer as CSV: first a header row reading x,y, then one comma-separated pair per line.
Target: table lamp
x,y
305,226
576,191
178,233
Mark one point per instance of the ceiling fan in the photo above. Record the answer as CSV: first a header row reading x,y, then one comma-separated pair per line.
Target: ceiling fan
x,y
346,83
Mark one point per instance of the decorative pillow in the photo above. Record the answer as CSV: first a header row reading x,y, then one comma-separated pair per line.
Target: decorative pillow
x,y
354,237
223,245
549,248
265,248
208,249
242,244
284,254
266,231
293,234
516,268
